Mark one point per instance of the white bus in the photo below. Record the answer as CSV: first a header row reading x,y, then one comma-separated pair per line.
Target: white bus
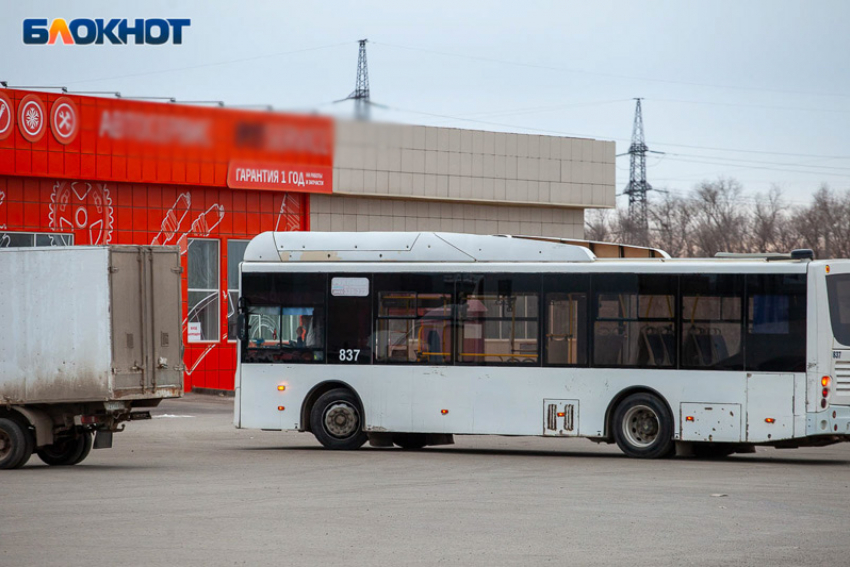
x,y
410,338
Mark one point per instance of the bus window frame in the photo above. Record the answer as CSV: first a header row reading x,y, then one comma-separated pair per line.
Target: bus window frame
x,y
538,362
586,323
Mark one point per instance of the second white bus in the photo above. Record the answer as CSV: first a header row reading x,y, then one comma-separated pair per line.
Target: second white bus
x,y
411,338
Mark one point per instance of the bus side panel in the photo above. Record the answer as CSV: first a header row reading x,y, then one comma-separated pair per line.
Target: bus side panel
x,y
770,407
501,401
387,396
259,397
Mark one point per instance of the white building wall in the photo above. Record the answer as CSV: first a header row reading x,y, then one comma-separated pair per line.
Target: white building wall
x,y
343,213
428,178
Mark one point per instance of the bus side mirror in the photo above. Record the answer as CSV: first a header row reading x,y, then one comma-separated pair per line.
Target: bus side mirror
x,y
240,326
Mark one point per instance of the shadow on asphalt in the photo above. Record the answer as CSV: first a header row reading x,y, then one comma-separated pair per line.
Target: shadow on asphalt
x,y
565,454
82,468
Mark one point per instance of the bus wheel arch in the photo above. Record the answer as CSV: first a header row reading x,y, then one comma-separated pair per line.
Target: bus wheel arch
x,y
316,392
652,403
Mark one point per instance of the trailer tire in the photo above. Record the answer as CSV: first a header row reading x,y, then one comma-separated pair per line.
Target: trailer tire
x,y
643,427
67,452
87,447
16,444
336,420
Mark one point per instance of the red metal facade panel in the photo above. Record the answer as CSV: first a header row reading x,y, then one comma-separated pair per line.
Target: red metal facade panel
x,y
131,141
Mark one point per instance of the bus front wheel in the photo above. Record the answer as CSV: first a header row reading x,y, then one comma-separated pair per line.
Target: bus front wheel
x,y
643,427
336,420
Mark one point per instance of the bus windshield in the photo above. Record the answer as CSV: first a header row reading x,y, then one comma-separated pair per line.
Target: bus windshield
x,y
838,289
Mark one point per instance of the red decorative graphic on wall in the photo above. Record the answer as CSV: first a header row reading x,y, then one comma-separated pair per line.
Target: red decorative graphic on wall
x,y
7,116
32,118
84,209
289,217
64,120
175,229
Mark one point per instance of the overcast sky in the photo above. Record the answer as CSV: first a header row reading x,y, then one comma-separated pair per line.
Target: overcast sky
x,y
755,90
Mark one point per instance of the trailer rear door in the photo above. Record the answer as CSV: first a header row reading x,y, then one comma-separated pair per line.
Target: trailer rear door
x,y
146,307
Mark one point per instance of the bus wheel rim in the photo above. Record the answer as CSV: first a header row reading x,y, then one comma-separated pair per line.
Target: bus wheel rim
x,y
5,445
641,426
341,420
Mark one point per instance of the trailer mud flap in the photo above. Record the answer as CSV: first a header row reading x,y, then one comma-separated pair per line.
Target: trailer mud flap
x,y
102,440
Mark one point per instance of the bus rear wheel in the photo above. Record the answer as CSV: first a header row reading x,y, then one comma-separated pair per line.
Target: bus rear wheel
x,y
67,452
643,427
336,420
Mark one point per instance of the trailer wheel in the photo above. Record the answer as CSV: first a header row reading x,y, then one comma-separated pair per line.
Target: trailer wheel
x,y
68,451
336,420
643,427
410,441
16,444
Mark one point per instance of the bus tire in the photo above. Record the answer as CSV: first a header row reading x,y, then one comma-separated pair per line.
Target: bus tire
x,y
16,444
410,441
68,451
336,420
643,427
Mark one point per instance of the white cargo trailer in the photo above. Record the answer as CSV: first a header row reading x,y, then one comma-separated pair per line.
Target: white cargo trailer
x,y
89,335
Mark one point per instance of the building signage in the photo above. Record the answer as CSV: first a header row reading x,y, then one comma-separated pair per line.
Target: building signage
x,y
113,139
299,178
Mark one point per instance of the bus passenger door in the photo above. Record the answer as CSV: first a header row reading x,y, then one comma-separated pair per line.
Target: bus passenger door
x,y
770,407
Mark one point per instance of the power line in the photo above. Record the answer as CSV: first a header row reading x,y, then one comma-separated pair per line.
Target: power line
x,y
843,175
204,65
748,105
536,109
602,74
605,137
748,161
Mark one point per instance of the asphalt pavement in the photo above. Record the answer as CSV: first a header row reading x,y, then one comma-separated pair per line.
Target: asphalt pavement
x,y
186,488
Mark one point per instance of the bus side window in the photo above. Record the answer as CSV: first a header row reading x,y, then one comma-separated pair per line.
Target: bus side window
x,y
711,319
776,323
565,326
498,319
285,317
413,318
634,322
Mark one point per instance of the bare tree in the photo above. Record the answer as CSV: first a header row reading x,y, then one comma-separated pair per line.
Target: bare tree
x,y
671,224
714,217
769,222
813,223
597,225
720,222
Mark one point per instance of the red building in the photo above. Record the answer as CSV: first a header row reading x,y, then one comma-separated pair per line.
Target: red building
x,y
85,170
